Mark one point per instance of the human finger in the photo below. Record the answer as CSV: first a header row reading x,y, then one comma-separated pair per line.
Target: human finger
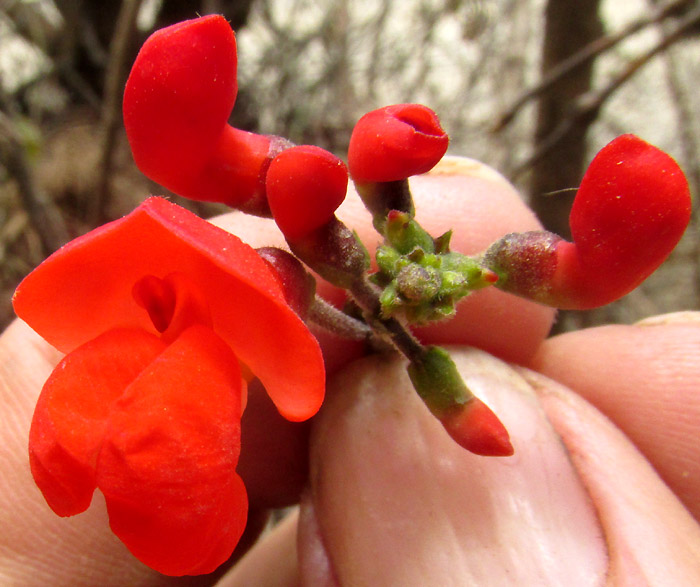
x,y
394,501
645,378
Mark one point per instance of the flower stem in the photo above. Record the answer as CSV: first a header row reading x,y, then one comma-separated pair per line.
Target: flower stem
x,y
366,294
334,320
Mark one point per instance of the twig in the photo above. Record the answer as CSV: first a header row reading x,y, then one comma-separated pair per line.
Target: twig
x,y
590,103
688,144
43,214
111,108
589,52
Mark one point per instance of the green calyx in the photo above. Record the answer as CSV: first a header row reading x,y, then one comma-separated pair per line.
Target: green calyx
x,y
422,279
437,381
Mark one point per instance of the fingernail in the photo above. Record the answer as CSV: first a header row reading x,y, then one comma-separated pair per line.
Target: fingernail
x,y
685,317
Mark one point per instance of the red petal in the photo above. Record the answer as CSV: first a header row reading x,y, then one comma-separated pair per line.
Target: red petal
x,y
395,142
305,185
70,416
168,463
84,289
178,98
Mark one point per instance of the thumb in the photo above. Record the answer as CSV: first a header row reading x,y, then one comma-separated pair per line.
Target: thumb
x,y
36,546
393,501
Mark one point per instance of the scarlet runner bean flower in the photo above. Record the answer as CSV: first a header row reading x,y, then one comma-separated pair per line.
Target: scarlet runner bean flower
x,y
395,142
177,101
305,185
388,146
630,211
155,311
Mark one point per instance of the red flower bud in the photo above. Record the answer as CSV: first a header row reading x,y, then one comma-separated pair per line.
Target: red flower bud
x,y
177,102
629,213
631,210
468,420
305,185
298,284
395,142
474,426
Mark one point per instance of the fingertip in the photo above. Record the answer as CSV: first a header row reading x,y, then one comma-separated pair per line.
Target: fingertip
x,y
651,538
645,379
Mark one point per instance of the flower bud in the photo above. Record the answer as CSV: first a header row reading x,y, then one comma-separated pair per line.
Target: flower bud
x,y
395,142
468,420
305,185
629,213
177,101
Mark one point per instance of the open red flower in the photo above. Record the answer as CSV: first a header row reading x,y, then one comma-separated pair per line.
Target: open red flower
x,y
157,313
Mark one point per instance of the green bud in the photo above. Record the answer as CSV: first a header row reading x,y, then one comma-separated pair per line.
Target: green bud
x,y
436,379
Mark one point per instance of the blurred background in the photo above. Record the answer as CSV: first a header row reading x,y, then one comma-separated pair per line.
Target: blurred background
x,y
532,87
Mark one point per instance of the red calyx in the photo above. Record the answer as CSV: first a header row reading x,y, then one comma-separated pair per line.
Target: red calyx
x,y
298,284
305,185
177,102
395,142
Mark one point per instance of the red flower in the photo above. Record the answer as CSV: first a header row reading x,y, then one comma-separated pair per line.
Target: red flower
x,y
305,185
395,142
629,214
177,102
155,312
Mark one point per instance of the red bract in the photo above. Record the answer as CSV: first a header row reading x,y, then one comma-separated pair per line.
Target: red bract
x,y
155,312
629,213
177,102
395,142
305,185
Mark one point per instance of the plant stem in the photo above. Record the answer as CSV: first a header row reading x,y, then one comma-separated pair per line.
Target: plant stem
x,y
366,295
334,320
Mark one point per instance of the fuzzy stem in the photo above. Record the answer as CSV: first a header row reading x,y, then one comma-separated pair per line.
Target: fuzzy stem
x,y
366,295
334,320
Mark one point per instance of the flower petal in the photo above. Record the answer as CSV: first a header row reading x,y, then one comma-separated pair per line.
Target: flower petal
x,y
178,98
167,466
84,289
71,414
395,142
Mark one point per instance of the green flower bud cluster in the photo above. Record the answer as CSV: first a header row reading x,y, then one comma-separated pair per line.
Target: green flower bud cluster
x,y
422,279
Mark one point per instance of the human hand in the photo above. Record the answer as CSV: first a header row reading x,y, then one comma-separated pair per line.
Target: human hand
x,y
350,475
393,501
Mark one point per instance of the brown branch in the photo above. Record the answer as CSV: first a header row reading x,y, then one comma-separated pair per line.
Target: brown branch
x,y
688,144
590,103
582,57
44,216
111,108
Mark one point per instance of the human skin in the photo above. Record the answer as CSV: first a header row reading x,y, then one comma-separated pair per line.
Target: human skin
x,y
390,499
